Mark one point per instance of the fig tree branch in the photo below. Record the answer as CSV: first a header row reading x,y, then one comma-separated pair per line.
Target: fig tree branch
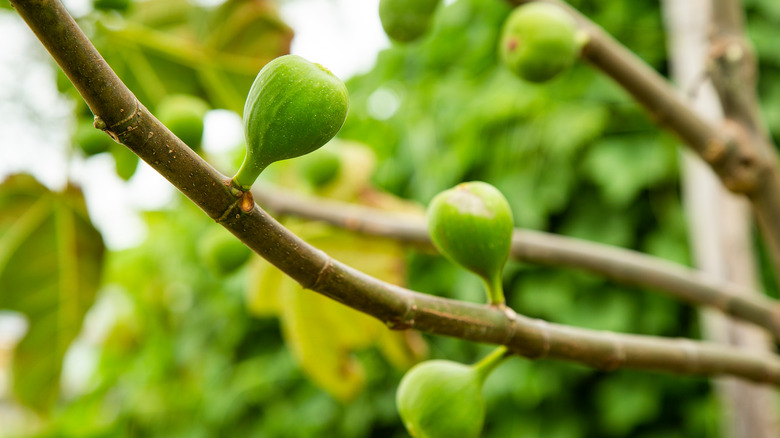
x,y
118,112
621,265
733,68
722,247
742,159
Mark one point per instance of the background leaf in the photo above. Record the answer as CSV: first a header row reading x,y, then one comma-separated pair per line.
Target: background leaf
x,y
50,265
323,334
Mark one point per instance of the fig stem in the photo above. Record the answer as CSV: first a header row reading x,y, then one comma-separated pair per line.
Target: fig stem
x,y
495,289
484,367
247,174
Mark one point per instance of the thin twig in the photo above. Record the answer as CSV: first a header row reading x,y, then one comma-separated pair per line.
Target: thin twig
x,y
396,306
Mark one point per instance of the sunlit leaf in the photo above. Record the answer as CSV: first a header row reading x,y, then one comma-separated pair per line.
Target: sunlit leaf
x,y
310,336
324,334
50,263
163,47
262,291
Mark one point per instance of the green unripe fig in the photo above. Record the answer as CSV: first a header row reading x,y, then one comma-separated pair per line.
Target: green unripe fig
x,y
320,167
183,114
294,107
90,140
125,160
471,224
439,398
221,252
539,40
406,20
443,399
116,5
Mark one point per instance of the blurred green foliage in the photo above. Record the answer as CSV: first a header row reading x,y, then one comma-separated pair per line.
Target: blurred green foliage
x,y
51,259
575,156
185,357
188,360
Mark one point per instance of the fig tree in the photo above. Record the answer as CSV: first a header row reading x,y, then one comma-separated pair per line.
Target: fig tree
x,y
443,399
471,224
406,20
294,107
538,41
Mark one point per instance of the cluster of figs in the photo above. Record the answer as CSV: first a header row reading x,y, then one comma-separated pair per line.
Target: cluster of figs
x,y
295,106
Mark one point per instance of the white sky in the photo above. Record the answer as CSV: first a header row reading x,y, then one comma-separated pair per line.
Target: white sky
x,y
343,35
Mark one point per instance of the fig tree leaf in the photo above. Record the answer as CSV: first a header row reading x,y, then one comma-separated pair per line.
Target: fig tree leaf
x,y
324,334
174,47
308,333
262,292
51,259
402,348
625,402
623,166
591,220
670,240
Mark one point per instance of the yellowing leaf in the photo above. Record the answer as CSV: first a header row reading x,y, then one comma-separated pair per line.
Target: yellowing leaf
x,y
310,335
402,348
262,292
323,334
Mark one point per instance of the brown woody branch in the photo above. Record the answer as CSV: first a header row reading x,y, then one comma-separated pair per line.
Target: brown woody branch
x,y
621,265
119,113
742,157
734,73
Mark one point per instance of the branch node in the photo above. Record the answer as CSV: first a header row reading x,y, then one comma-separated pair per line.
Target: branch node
x,y
228,212
247,202
544,331
118,129
714,150
99,123
322,272
693,362
618,356
511,316
406,320
734,53
740,167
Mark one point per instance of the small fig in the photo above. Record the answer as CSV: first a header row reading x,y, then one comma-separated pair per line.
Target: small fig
x,y
183,114
221,252
320,167
91,141
443,399
125,160
539,40
112,5
406,20
294,107
471,224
